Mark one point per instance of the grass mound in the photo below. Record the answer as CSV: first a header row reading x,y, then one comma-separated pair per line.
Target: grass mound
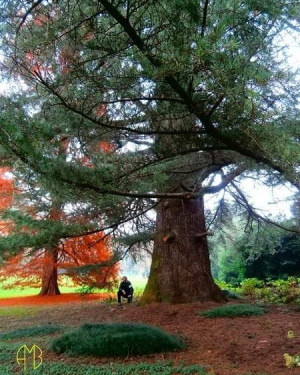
x,y
115,339
233,310
46,329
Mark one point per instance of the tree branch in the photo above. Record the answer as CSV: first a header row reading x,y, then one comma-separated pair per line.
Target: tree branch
x,y
256,215
34,5
226,179
204,19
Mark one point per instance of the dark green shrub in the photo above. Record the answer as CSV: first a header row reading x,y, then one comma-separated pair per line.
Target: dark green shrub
x,y
46,329
115,339
233,310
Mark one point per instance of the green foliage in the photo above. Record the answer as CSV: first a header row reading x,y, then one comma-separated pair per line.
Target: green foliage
x,y
30,331
8,364
232,311
262,253
273,291
248,286
47,232
231,266
195,90
158,368
151,78
292,360
284,291
8,351
278,261
116,339
223,284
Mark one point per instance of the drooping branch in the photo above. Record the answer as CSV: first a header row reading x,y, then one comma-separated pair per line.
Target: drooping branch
x,y
241,199
226,180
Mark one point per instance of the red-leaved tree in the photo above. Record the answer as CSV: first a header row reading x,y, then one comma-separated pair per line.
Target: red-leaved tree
x,y
6,198
85,259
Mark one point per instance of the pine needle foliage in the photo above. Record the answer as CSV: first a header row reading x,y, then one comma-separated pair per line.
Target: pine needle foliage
x,y
115,339
178,90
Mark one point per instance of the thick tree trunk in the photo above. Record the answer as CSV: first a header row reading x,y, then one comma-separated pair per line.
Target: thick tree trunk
x,y
180,270
49,278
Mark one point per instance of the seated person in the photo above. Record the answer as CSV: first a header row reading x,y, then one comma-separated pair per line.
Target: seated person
x,y
125,290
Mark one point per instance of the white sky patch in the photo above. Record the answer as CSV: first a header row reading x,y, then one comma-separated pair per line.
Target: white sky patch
x,y
293,51
269,201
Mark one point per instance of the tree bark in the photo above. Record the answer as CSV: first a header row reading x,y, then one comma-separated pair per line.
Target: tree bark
x,y
49,278
180,270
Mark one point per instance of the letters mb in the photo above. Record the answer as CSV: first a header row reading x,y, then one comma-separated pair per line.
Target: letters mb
x,y
32,356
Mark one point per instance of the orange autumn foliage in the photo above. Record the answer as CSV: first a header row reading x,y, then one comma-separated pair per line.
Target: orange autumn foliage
x,y
106,147
34,63
96,250
6,188
101,110
102,146
26,268
41,20
6,198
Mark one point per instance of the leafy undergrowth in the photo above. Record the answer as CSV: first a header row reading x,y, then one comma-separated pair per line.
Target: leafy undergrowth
x,y
8,366
158,368
115,339
30,331
233,310
270,291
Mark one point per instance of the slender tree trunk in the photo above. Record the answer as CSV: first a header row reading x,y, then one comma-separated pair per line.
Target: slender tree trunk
x,y
49,278
180,270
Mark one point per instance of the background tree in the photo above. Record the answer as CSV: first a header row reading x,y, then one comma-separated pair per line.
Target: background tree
x,y
80,258
86,259
255,250
195,90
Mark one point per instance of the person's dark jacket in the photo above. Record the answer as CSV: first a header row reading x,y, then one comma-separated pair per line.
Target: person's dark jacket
x,y
126,288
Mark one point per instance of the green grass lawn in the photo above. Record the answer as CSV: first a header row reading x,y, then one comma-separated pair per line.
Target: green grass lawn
x,y
138,283
17,292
